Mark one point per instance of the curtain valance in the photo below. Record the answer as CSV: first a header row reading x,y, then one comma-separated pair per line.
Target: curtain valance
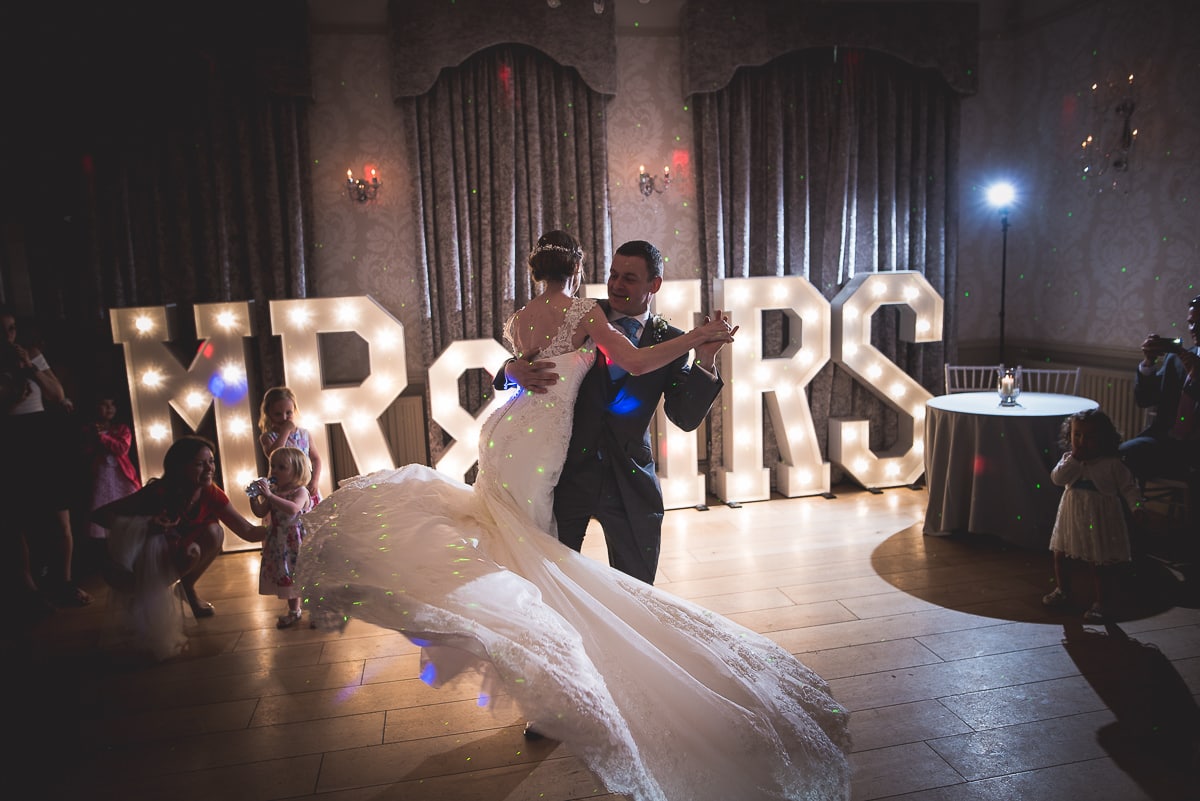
x,y
427,37
721,35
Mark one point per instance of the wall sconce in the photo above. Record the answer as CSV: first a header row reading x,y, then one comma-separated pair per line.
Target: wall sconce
x,y
361,189
1107,150
649,183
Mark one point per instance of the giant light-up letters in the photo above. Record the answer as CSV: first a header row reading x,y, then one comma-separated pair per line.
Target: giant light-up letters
x,y
358,408
920,321
486,354
750,378
216,378
821,331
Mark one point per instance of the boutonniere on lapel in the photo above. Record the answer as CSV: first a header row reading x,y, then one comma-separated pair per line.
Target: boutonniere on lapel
x,y
658,326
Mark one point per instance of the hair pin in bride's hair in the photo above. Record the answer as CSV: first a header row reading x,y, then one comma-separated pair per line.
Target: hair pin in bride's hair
x,y
576,253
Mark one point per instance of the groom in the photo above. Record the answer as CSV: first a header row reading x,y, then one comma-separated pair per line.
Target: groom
x,y
609,472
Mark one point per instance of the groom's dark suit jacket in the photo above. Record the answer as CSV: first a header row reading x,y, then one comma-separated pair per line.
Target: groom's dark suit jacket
x,y
609,471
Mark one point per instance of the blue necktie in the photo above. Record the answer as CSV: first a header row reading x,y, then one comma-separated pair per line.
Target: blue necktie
x,y
630,326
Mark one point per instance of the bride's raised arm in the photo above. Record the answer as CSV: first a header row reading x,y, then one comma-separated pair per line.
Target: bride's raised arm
x,y
617,348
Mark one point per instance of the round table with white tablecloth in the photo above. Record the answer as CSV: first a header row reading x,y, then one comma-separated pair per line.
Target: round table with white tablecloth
x,y
988,466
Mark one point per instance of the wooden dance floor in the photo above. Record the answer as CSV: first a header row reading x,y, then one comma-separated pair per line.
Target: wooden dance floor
x,y
959,683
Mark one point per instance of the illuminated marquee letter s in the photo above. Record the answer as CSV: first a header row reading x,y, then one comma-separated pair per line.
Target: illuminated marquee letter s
x,y
920,321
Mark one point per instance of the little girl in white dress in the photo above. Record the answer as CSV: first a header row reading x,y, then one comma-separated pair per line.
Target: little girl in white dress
x,y
1091,523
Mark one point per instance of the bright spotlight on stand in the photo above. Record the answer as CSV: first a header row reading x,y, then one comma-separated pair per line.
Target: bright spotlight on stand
x,y
1001,195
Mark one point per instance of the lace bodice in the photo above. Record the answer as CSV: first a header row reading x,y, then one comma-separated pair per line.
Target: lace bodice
x,y
561,342
523,445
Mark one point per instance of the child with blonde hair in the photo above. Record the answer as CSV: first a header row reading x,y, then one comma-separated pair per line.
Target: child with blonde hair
x,y
277,422
280,499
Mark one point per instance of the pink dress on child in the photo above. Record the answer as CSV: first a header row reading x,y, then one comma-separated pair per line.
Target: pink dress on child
x,y
113,473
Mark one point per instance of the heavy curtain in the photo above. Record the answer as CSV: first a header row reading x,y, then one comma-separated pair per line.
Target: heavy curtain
x,y
175,141
504,105
509,145
827,163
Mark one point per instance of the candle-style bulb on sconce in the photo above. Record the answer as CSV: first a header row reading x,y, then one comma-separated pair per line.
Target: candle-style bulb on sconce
x,y
360,189
650,184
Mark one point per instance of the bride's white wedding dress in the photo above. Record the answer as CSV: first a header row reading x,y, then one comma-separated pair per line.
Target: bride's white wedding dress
x,y
662,699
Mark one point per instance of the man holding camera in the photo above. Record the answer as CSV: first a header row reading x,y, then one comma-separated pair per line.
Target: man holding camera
x,y
1168,378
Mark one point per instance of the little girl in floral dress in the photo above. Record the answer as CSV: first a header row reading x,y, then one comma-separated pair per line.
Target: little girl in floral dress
x,y
280,500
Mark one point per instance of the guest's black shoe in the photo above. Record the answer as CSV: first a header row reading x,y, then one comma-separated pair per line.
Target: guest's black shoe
x,y
532,733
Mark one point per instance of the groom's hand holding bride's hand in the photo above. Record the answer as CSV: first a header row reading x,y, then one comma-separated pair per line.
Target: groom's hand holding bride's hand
x,y
533,376
723,329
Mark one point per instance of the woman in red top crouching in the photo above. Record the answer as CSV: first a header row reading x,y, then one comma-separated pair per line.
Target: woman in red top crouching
x,y
168,532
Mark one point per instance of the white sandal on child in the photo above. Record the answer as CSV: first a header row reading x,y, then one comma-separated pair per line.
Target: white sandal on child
x,y
1054,598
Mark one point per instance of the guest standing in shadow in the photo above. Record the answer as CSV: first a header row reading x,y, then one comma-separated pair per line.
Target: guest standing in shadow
x,y
35,490
108,470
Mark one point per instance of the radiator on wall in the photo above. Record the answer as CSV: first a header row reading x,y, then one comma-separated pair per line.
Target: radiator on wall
x,y
1113,390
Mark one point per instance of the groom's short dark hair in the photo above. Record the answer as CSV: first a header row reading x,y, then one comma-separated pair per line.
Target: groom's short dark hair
x,y
649,254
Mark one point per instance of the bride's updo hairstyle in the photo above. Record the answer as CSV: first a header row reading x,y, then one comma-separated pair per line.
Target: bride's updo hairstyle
x,y
555,257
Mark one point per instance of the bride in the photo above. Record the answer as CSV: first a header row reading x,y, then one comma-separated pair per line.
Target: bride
x,y
662,699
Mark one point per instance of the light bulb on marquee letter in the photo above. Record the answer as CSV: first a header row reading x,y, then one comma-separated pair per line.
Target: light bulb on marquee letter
x,y
802,470
298,322
224,326
467,354
190,392
920,310
217,379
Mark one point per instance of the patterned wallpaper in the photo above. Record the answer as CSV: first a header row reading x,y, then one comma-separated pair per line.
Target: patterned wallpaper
x,y
1092,268
370,248
1090,272
362,248
649,123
